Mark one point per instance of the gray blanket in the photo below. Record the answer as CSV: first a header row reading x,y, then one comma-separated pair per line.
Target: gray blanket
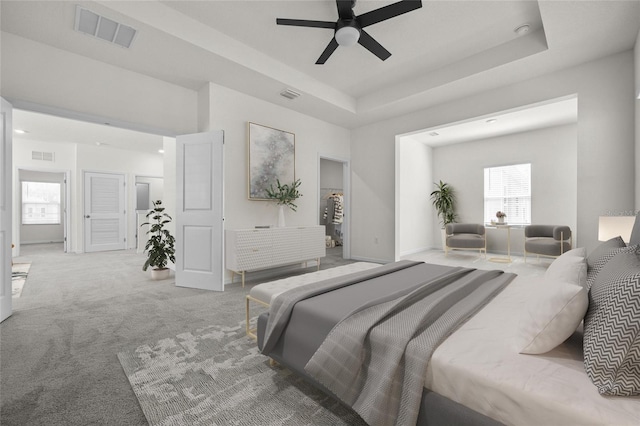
x,y
376,360
376,356
282,306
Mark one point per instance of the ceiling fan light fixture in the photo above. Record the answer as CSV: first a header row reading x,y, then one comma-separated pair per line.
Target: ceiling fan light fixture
x,y
347,36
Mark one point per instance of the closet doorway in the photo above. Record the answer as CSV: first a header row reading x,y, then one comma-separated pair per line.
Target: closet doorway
x,y
334,205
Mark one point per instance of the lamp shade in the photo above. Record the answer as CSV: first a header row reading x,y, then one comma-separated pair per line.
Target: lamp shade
x,y
613,226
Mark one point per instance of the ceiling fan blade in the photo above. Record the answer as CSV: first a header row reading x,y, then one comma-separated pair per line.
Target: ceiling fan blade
x,y
331,47
373,46
388,12
345,9
306,23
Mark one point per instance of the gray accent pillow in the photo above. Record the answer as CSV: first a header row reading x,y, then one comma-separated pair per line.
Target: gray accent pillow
x,y
612,327
600,256
635,231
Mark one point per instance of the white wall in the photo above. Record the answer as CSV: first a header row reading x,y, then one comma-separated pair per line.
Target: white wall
x,y
605,154
414,211
636,53
552,153
42,233
41,74
230,111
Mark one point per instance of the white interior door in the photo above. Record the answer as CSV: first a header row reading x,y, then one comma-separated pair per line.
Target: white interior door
x,y
5,210
104,212
199,211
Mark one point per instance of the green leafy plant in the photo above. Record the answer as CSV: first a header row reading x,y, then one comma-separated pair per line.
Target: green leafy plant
x,y
443,199
160,247
285,194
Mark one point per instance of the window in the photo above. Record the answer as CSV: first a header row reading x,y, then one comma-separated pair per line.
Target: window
x,y
508,189
40,203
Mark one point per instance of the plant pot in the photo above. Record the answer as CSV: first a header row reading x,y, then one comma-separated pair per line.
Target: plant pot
x,y
443,234
160,274
281,223
501,220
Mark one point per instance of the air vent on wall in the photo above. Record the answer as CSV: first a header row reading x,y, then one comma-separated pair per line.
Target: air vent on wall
x,y
290,94
91,23
42,156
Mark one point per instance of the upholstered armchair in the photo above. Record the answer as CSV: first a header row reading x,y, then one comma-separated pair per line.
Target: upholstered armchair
x,y
547,240
465,236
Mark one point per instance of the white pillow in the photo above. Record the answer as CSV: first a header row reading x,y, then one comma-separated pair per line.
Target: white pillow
x,y
571,267
551,316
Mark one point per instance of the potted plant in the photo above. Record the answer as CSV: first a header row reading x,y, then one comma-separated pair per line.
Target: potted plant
x,y
500,215
443,199
160,247
284,195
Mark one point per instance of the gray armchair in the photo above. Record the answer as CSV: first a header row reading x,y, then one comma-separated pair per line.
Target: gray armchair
x,y
547,240
465,236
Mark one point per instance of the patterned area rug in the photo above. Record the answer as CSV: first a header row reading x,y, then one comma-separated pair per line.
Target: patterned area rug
x,y
19,272
216,376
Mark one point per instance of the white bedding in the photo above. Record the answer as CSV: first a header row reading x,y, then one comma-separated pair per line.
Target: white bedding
x,y
479,367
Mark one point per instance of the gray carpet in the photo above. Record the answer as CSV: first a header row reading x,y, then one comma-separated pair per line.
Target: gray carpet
x,y
58,351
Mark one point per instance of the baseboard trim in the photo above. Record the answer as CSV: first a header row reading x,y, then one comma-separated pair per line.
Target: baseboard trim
x,y
370,259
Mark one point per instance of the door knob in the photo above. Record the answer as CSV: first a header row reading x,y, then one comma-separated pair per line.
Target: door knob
x,y
87,216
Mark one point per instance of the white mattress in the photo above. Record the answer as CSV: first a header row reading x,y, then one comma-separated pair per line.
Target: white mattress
x,y
267,291
479,367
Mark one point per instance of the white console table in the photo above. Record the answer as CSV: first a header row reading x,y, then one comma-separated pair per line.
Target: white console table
x,y
249,250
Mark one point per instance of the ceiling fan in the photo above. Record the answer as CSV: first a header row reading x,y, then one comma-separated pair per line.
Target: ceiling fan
x,y
348,29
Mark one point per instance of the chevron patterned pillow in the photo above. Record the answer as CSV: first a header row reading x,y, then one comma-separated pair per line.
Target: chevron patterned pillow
x,y
601,255
612,327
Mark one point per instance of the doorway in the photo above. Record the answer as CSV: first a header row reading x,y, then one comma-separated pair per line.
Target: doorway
x,y
333,205
148,190
43,206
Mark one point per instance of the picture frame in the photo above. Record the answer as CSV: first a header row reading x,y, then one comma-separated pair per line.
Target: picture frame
x,y
272,157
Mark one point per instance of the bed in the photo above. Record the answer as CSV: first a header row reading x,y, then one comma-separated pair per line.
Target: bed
x,y
477,374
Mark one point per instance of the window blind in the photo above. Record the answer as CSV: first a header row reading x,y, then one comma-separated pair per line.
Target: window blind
x,y
508,189
40,203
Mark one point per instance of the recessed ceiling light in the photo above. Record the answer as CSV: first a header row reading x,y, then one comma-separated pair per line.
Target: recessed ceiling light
x,y
492,120
98,143
20,131
161,151
522,29
434,134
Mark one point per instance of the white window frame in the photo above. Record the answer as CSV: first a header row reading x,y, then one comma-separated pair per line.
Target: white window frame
x,y
508,189
36,209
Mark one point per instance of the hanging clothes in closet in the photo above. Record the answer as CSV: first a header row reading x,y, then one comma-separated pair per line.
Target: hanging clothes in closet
x,y
338,207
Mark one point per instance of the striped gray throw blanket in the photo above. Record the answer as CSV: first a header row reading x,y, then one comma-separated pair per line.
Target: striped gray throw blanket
x,y
375,359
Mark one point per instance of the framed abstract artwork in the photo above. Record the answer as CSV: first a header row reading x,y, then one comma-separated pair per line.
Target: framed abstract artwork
x,y
272,156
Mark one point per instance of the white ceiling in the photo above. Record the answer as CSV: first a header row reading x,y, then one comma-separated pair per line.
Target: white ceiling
x,y
49,128
529,117
448,49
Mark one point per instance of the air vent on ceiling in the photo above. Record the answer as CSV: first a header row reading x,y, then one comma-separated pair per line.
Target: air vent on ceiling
x,y
42,156
290,94
91,23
